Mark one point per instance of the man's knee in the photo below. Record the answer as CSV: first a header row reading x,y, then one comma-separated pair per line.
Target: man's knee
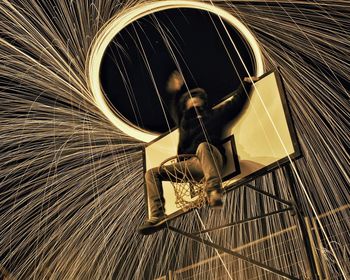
x,y
205,149
208,151
204,146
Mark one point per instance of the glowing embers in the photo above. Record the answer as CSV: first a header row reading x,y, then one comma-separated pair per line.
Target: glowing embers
x,y
133,55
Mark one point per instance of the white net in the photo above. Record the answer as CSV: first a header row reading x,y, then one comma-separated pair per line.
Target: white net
x,y
189,190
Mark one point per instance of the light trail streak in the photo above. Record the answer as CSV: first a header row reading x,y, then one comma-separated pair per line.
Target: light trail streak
x,y
71,183
120,21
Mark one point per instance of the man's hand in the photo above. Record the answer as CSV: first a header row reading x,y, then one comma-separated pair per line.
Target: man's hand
x,y
251,79
175,82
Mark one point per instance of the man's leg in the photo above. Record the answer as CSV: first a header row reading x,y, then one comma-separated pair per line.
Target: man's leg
x,y
155,203
211,162
153,178
155,192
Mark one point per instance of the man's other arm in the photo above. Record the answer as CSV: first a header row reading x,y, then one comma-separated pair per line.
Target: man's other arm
x,y
232,107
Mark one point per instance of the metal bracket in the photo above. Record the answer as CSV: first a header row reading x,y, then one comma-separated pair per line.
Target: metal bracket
x,y
292,206
228,251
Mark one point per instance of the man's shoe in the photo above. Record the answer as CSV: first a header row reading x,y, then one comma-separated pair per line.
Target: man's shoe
x,y
153,225
215,199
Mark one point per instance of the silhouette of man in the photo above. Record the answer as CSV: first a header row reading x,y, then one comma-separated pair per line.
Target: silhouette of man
x,y
200,132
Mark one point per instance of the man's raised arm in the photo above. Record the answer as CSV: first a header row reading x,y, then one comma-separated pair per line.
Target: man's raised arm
x,y
231,108
173,87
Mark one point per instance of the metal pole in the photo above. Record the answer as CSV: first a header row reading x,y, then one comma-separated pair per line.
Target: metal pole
x,y
320,247
314,253
269,195
228,251
244,221
170,275
310,262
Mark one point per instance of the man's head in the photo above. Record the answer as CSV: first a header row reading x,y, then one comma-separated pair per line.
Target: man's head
x,y
194,98
194,102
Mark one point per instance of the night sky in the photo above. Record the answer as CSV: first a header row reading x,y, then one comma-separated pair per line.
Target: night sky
x,y
197,46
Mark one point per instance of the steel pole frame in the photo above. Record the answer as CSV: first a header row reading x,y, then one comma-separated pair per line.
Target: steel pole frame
x,y
195,236
308,255
293,206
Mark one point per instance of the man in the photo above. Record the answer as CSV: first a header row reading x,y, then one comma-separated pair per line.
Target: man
x,y
200,132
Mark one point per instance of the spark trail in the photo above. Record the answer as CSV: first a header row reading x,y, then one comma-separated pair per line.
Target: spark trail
x,y
71,183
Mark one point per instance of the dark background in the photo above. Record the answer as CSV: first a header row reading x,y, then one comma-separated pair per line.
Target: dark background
x,y
196,43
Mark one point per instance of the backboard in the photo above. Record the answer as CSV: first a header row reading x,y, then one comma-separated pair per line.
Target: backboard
x,y
262,138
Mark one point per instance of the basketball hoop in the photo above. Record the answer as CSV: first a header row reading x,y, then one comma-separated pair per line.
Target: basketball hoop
x,y
189,191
